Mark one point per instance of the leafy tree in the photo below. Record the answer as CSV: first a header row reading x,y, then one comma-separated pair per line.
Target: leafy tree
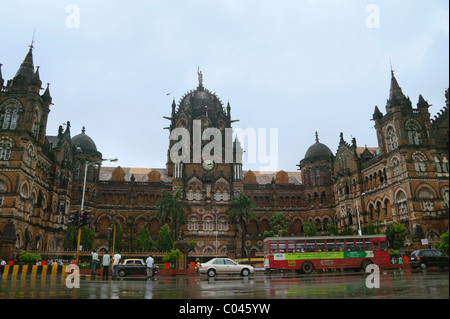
x,y
29,258
172,208
395,235
346,230
269,233
372,228
70,238
278,222
172,256
332,229
164,242
87,238
310,229
443,245
144,241
191,246
241,209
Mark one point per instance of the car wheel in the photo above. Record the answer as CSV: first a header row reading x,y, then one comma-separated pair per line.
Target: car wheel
x,y
211,273
423,266
245,272
307,267
122,273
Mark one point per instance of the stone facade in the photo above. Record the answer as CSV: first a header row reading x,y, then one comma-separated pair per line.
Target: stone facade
x,y
403,179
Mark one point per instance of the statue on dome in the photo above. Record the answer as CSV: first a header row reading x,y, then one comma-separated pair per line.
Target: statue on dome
x,y
200,77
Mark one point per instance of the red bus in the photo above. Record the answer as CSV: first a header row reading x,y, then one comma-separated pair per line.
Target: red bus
x,y
308,253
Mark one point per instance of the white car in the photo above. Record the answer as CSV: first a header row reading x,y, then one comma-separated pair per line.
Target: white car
x,y
220,266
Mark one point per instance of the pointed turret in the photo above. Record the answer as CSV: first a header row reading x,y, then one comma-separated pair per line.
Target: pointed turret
x,y
46,97
422,103
26,69
377,114
396,96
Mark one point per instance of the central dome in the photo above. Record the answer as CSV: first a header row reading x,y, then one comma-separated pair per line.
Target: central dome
x,y
199,99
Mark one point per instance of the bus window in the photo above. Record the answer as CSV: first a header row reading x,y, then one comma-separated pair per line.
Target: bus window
x,y
384,245
282,246
368,244
376,245
320,245
310,246
300,246
266,247
291,246
273,247
330,245
359,244
339,244
350,245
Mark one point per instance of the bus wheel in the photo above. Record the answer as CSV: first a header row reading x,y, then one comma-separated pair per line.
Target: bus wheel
x,y
365,263
307,267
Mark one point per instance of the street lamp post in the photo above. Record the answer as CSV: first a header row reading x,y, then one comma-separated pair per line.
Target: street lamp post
x,y
359,221
86,164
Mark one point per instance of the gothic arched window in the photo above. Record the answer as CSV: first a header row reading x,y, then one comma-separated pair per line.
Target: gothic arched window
x,y
413,129
419,162
391,138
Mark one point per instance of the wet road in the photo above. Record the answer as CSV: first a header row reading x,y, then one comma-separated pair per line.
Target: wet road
x,y
403,284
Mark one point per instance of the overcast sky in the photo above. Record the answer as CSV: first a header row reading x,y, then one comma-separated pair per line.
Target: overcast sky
x,y
297,66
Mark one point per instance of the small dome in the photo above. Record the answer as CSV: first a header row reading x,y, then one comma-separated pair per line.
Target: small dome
x,y
84,142
318,151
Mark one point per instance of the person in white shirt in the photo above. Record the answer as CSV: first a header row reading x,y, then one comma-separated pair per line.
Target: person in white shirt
x,y
150,261
106,262
116,260
94,262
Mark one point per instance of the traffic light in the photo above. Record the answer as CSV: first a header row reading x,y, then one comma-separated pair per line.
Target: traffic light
x,y
86,218
74,218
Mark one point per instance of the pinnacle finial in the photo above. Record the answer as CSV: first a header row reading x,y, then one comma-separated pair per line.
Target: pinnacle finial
x,y
317,137
390,62
83,130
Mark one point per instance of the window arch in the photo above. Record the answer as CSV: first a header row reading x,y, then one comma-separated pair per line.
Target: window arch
x,y
9,114
193,223
391,138
208,224
419,161
426,198
5,150
401,201
413,130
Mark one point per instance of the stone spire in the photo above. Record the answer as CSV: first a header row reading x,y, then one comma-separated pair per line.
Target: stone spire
x,y
26,69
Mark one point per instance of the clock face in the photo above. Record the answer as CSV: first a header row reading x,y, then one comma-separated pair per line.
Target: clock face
x,y
208,165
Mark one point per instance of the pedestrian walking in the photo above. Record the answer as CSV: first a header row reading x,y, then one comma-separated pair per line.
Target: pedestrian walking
x,y
94,262
116,260
150,262
106,262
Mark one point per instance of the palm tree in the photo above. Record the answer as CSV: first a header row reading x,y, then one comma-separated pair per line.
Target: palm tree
x,y
171,207
241,209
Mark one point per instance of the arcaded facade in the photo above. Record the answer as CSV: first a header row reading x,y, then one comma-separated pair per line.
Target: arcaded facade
x,y
402,179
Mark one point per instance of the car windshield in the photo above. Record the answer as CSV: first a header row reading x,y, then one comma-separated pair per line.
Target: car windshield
x,y
415,253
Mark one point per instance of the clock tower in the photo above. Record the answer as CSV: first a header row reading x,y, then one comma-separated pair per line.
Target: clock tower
x,y
204,162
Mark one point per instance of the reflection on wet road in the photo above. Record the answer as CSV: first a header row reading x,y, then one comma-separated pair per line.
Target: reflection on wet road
x,y
405,284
